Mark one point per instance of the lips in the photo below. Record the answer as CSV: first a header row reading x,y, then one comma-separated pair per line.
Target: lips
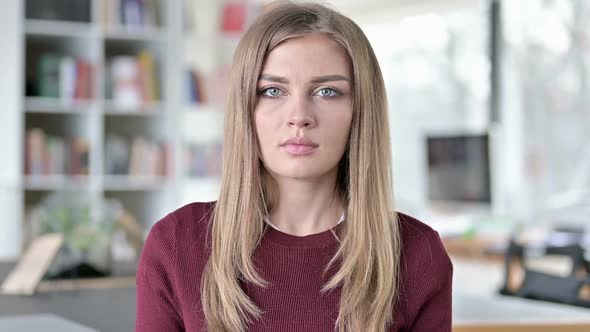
x,y
299,145
299,141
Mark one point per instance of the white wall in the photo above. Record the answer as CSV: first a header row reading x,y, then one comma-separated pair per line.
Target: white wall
x,y
11,90
371,11
409,123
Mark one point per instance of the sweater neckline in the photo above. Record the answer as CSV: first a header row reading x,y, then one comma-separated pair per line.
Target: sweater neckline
x,y
342,217
329,237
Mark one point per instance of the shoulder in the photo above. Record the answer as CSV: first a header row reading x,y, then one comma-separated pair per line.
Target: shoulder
x,y
426,274
184,220
420,241
194,213
425,263
168,235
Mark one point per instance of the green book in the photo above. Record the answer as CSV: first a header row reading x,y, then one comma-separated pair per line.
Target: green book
x,y
48,75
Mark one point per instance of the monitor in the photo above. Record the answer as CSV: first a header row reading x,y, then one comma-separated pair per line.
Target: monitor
x,y
458,169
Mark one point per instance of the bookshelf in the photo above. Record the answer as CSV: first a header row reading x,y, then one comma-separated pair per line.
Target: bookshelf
x,y
102,112
94,113
211,32
42,28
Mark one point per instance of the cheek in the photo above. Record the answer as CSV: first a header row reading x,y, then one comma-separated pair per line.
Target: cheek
x,y
338,128
265,128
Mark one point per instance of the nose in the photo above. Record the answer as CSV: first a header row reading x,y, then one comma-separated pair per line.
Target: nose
x,y
301,115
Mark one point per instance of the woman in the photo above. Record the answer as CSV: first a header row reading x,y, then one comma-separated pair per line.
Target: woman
x,y
303,236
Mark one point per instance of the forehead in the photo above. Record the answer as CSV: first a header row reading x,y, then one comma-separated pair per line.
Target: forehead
x,y
313,54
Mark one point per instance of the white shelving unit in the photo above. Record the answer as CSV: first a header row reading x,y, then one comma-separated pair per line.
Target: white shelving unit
x,y
202,123
147,198
56,106
171,119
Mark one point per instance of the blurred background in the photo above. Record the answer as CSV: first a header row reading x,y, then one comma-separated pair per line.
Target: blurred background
x,y
113,116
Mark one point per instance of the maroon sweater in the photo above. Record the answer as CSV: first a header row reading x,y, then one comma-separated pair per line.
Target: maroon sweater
x,y
169,278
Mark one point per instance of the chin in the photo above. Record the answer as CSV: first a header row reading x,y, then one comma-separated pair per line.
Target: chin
x,y
296,174
301,172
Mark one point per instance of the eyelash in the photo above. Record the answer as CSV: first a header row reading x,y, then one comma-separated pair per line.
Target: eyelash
x,y
261,92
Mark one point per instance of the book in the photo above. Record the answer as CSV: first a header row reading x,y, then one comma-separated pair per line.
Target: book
x,y
116,155
238,15
79,150
132,12
196,87
192,95
54,155
133,80
147,77
137,156
200,86
110,13
35,151
165,169
48,75
67,78
202,91
83,86
233,17
203,159
124,82
83,155
63,77
55,147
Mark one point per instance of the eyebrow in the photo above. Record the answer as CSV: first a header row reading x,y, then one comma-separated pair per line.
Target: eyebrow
x,y
316,79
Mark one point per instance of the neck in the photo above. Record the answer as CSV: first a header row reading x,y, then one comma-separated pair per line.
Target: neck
x,y
306,206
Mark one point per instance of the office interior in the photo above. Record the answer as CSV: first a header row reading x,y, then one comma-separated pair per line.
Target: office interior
x,y
113,116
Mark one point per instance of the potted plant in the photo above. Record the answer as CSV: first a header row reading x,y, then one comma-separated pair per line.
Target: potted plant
x,y
87,225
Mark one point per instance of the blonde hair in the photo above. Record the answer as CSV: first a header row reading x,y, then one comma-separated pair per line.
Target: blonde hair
x,y
369,250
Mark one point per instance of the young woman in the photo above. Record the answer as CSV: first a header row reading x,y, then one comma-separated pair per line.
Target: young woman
x,y
304,235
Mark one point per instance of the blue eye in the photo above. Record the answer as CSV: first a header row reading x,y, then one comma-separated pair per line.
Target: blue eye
x,y
274,92
328,92
270,92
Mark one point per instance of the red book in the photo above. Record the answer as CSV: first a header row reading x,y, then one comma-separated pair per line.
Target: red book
x,y
35,152
90,90
200,82
82,88
234,17
78,157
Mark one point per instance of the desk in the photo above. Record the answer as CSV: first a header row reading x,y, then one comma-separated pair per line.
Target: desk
x,y
478,308
107,310
43,322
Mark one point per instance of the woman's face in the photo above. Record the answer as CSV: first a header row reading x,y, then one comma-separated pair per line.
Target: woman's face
x,y
304,91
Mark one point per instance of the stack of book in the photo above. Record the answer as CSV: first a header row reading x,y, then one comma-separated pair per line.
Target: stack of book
x,y
52,155
133,81
203,160
63,77
130,13
136,157
197,93
237,16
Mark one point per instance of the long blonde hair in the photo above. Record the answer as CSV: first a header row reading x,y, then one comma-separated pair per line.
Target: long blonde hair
x,y
369,251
